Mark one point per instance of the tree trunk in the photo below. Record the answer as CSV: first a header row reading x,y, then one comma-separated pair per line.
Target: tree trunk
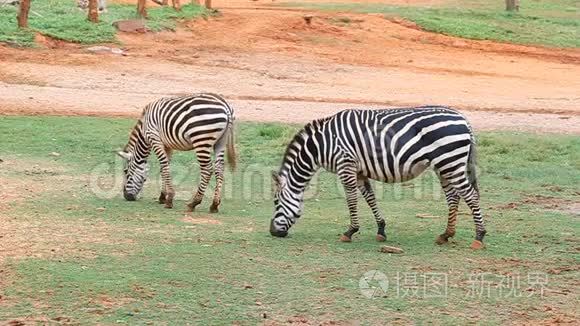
x,y
23,13
93,11
176,5
512,5
142,8
208,4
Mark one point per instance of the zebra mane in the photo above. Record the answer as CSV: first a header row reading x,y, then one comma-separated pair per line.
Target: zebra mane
x,y
318,123
134,136
306,131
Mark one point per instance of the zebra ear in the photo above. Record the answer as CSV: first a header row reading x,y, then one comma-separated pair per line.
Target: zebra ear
x,y
276,178
124,154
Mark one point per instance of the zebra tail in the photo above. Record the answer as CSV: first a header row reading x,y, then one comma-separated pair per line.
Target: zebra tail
x,y
472,166
230,147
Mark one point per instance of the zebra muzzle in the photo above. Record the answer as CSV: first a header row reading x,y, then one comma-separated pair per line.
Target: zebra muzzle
x,y
277,233
129,197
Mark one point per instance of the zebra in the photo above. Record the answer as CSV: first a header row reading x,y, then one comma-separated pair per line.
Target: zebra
x,y
200,122
391,146
84,5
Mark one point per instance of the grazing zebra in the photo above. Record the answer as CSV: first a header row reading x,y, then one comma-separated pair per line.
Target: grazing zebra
x,y
387,145
84,5
200,122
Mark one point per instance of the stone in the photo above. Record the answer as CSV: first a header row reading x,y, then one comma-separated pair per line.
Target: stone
x,y
99,48
131,26
9,2
391,250
117,51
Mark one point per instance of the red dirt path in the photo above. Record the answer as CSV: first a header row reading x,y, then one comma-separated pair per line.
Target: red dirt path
x,y
275,67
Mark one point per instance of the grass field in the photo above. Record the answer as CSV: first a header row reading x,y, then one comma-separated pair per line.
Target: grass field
x,y
552,23
46,17
74,251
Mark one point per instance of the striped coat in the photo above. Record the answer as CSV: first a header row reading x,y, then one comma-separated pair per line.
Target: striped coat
x,y
203,123
386,145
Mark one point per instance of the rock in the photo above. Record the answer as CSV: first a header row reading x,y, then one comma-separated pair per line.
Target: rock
x,y
9,2
131,26
391,250
117,51
55,154
426,216
99,48
106,49
459,43
100,209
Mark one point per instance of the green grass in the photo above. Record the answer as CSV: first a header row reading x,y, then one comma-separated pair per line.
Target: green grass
x,y
61,19
91,259
552,23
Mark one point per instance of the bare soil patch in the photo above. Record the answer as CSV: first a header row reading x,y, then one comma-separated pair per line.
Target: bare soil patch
x,y
200,220
276,67
40,176
571,208
546,202
38,237
103,304
37,234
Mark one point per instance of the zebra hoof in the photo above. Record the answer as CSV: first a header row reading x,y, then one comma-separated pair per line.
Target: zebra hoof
x,y
381,238
441,239
344,238
161,199
214,209
168,205
476,245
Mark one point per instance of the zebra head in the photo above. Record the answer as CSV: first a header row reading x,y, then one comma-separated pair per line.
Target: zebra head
x,y
287,204
135,174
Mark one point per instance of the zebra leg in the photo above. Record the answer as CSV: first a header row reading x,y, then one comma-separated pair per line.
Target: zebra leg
x,y
452,198
348,177
163,194
176,5
364,186
205,165
219,177
471,196
164,158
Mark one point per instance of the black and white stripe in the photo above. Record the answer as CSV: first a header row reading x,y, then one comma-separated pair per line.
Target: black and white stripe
x,y
202,123
387,145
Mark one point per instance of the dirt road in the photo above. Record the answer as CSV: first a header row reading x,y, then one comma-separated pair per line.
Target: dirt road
x,y
276,67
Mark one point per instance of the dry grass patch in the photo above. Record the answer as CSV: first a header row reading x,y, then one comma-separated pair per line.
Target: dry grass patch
x,y
200,220
48,238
